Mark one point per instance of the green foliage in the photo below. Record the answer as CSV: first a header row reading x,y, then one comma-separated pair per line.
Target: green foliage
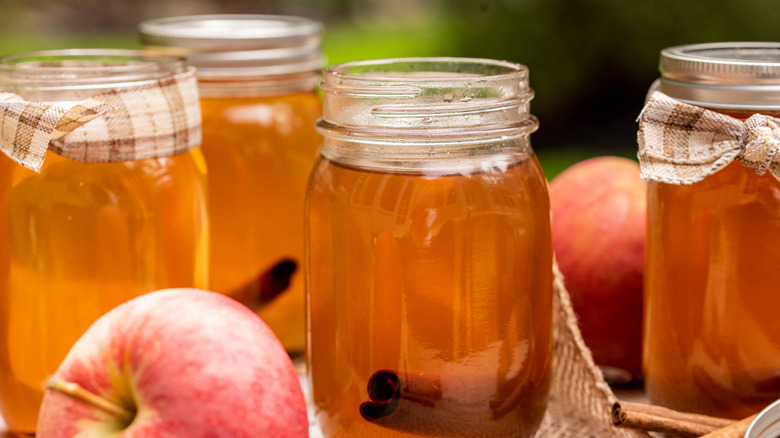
x,y
345,41
591,62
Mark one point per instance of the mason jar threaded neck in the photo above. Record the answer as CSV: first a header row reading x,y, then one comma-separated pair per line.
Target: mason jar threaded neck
x,y
79,73
412,112
426,96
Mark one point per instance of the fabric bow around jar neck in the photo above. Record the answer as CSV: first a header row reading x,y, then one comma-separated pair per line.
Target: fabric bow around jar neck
x,y
683,144
152,119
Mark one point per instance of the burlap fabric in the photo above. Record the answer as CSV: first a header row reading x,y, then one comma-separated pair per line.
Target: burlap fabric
x,y
152,119
683,144
580,400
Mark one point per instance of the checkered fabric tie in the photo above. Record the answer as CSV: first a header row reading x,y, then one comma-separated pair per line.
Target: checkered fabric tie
x,y
683,144
153,119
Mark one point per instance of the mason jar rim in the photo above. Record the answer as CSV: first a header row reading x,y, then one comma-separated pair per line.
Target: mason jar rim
x,y
353,69
84,68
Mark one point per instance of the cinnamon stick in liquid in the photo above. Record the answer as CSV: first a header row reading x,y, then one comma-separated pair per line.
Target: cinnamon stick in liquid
x,y
267,286
387,389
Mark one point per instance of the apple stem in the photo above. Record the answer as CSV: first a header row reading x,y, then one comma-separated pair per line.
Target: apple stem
x,y
71,389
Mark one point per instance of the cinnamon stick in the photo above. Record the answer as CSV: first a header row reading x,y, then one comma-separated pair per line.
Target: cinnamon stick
x,y
735,430
386,389
267,286
660,419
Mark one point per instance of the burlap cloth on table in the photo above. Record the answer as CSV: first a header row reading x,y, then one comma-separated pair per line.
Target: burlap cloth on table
x,y
580,400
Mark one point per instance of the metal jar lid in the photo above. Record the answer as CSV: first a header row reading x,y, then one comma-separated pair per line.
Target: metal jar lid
x,y
736,75
766,424
223,46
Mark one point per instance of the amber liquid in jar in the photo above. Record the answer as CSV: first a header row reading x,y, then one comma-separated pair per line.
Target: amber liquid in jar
x,y
712,294
77,240
711,331
444,279
257,78
259,152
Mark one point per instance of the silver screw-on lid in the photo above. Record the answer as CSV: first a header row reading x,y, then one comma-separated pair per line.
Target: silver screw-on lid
x,y
238,45
736,75
766,424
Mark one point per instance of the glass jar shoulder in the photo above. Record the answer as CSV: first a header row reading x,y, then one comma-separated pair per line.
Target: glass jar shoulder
x,y
190,164
130,185
261,128
260,109
517,187
732,186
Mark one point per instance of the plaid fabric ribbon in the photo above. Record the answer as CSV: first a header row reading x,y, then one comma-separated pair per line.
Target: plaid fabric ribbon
x,y
153,119
683,144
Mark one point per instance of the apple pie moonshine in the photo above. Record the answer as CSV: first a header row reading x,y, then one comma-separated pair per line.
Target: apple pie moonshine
x,y
102,198
428,253
708,147
257,77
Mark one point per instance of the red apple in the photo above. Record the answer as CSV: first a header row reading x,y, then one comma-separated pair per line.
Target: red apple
x,y
175,363
599,229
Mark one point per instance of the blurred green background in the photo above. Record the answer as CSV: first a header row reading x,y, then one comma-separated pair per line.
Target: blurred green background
x,y
591,62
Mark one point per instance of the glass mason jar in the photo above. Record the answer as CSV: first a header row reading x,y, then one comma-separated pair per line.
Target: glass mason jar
x,y
429,252
79,238
258,77
712,334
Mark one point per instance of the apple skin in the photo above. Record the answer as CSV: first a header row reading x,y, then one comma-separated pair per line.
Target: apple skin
x,y
599,226
191,363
